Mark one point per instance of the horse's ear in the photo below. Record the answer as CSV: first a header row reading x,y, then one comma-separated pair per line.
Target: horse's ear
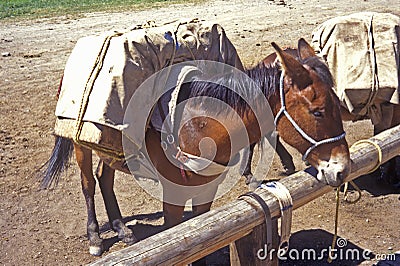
x,y
304,49
293,69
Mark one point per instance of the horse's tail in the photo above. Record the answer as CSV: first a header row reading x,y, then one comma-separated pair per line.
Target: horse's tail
x,y
58,162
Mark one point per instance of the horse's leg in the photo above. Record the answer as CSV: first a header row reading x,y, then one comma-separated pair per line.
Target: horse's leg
x,y
200,209
396,181
202,204
385,123
105,174
84,160
173,203
395,122
245,165
173,214
285,157
197,210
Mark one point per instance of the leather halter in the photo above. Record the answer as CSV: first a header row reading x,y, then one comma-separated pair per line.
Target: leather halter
x,y
283,111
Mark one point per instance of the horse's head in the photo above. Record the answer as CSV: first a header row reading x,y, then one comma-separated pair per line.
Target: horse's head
x,y
309,115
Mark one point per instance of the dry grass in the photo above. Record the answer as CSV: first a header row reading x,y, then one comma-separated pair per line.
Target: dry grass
x,y
27,9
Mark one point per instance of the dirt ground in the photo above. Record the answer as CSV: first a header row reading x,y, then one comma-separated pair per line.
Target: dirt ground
x,y
49,227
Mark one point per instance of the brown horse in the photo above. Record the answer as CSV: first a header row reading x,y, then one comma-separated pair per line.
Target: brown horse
x,y
389,172
306,112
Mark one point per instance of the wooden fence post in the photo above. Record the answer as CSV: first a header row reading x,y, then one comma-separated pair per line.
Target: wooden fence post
x,y
251,250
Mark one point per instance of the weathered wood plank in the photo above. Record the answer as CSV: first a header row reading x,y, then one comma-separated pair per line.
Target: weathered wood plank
x,y
209,232
250,250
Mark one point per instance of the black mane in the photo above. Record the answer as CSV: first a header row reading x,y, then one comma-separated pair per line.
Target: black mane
x,y
257,78
321,68
266,78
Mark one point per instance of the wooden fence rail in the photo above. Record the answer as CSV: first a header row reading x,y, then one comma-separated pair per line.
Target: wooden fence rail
x,y
219,227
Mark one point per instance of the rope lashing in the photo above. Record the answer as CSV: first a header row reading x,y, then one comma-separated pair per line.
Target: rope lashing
x,y
346,185
89,85
378,148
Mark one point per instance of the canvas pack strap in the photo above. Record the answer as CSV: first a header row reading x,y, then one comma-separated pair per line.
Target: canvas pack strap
x,y
267,216
286,206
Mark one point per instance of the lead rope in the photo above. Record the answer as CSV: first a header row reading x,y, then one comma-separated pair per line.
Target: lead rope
x,y
346,185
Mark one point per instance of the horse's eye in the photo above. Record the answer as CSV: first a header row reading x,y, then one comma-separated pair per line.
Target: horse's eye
x,y
317,113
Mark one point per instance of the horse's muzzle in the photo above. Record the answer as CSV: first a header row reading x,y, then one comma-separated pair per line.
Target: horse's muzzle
x,y
334,171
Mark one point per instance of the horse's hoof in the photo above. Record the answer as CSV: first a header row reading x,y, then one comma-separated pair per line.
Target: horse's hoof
x,y
95,250
249,178
253,185
288,172
129,240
